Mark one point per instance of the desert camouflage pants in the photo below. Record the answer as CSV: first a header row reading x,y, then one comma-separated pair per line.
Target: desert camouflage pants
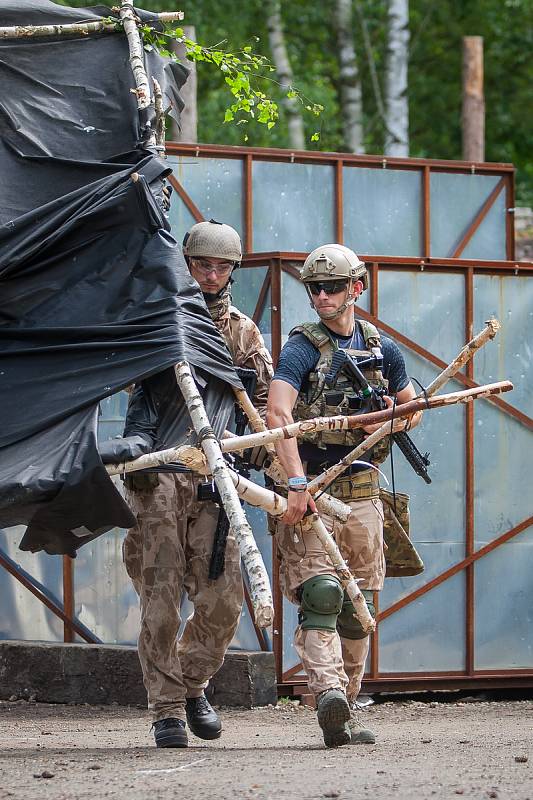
x,y
329,660
165,554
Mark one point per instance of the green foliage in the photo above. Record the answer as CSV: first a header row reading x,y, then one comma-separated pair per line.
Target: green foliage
x,y
436,28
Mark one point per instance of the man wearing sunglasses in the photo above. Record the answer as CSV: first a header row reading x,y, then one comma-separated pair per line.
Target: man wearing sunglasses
x,y
330,642
169,550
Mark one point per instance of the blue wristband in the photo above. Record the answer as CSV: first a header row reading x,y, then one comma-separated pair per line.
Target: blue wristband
x,y
297,482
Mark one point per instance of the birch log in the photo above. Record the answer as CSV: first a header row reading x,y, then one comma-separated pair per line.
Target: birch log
x,y
275,505
326,503
260,591
103,25
135,45
345,423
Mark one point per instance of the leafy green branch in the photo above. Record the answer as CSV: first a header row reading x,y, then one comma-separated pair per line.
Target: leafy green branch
x,y
242,71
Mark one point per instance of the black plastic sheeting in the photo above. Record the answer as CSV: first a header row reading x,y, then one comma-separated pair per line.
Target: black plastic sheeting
x,y
94,291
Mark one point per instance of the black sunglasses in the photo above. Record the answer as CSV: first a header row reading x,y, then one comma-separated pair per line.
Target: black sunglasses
x,y
329,287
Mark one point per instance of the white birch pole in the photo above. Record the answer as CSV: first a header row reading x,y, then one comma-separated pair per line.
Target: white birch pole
x,y
102,25
260,591
396,86
350,85
135,45
275,505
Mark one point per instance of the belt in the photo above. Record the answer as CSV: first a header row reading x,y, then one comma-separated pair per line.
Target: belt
x,y
358,486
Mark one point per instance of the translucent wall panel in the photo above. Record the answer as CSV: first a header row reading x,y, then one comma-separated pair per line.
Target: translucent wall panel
x,y
22,615
503,457
295,304
503,629
215,187
509,299
428,634
428,307
293,206
455,201
382,211
180,217
246,288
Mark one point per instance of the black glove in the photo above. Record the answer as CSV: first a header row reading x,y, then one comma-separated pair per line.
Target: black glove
x,y
124,448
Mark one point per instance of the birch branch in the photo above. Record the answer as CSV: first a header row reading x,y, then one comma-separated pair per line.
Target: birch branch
x,y
467,352
352,422
159,116
275,505
128,17
326,503
103,25
260,591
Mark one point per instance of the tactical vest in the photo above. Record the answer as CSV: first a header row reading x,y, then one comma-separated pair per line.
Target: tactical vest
x,y
316,400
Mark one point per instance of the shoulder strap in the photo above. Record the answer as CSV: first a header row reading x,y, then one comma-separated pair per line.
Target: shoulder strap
x,y
370,333
313,332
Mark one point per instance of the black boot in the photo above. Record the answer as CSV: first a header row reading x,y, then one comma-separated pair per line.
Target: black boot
x,y
202,718
170,733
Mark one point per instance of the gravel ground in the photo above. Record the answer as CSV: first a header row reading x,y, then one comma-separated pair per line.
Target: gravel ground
x,y
424,750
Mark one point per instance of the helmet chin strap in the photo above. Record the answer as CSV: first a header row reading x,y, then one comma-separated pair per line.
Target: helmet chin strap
x,y
339,311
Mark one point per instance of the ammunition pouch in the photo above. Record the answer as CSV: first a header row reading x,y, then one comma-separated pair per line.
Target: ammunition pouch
x,y
348,626
401,556
141,481
357,486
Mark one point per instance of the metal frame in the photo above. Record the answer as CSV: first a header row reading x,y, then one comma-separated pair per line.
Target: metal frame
x,y
277,262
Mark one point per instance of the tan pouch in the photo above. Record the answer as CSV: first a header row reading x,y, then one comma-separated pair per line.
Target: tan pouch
x,y
401,556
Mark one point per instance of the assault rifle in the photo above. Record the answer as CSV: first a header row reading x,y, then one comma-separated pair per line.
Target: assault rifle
x,y
369,399
208,491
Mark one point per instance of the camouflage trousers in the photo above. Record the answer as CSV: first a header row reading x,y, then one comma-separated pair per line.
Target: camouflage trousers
x,y
331,661
168,553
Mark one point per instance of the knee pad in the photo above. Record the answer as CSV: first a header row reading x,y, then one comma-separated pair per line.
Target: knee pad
x,y
348,625
320,603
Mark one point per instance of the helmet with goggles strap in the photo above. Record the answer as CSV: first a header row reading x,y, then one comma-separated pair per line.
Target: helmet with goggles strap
x,y
333,261
213,240
333,268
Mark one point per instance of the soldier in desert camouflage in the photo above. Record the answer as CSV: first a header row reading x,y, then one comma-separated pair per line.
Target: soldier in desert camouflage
x,y
169,550
329,640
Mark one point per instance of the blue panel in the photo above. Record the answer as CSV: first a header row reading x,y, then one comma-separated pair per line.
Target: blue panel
x,y
112,414
246,287
22,615
428,307
510,355
215,187
437,556
382,211
428,634
504,606
293,206
455,201
290,621
503,456
489,239
181,219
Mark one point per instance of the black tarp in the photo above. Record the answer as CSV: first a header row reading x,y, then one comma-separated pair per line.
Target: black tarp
x,y
94,290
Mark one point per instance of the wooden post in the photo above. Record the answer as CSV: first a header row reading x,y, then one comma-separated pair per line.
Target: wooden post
x,y
473,121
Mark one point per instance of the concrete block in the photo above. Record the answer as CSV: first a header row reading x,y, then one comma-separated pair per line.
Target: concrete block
x,y
105,674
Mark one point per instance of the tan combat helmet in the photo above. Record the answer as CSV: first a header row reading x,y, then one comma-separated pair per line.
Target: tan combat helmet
x,y
333,262
213,240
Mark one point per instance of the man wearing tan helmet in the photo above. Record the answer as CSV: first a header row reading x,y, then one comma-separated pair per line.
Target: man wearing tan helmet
x,y
329,640
169,551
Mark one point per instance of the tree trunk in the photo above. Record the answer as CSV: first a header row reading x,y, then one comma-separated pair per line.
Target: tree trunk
x,y
283,68
473,99
350,86
187,131
396,98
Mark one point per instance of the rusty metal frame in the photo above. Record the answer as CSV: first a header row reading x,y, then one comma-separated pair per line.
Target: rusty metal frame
x,y
278,262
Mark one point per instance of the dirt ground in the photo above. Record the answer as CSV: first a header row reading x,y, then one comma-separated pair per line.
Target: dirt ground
x,y
424,750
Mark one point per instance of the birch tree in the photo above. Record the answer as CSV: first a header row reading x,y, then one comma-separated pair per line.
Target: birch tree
x,y
281,61
396,97
187,130
350,86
